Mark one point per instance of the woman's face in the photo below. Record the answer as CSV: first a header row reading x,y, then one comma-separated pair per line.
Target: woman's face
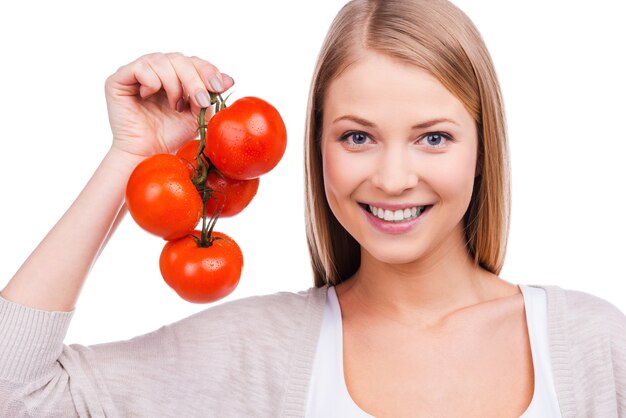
x,y
399,159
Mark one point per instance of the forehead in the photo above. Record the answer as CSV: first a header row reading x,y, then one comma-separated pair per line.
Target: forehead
x,y
375,83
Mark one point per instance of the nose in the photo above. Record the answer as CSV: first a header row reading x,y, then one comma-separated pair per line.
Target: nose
x,y
396,172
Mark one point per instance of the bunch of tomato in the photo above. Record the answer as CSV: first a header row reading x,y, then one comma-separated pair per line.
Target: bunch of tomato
x,y
218,175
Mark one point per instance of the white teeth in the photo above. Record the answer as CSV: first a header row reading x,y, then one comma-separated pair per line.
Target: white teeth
x,y
397,215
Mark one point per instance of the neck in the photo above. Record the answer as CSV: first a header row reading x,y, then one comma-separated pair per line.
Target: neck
x,y
423,292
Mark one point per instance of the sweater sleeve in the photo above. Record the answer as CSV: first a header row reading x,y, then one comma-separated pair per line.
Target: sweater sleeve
x,y
30,343
230,360
170,372
617,332
595,348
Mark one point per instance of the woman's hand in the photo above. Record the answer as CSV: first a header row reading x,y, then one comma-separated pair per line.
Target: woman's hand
x,y
154,100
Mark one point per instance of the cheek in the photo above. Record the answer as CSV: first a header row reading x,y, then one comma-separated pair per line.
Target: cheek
x,y
339,173
454,180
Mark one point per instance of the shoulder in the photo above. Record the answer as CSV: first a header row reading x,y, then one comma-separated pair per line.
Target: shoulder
x,y
270,315
582,305
587,339
275,305
584,315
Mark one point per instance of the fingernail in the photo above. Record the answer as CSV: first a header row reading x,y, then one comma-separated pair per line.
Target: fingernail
x,y
216,84
180,105
202,97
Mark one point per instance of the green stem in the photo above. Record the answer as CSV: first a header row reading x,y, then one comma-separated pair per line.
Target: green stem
x,y
204,168
213,222
204,239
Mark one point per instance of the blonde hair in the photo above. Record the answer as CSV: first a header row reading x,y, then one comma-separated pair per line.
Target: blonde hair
x,y
438,37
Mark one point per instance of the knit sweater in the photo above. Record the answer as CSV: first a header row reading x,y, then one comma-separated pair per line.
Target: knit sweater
x,y
253,357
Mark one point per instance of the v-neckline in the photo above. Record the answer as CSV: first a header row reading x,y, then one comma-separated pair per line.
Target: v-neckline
x,y
335,305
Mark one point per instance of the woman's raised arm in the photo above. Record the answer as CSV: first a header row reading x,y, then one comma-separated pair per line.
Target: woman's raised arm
x,y
152,103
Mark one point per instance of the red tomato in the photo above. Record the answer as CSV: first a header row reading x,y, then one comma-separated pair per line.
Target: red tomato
x,y
247,139
189,151
235,195
202,275
161,197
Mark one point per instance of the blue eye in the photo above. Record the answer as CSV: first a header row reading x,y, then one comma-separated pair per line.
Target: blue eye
x,y
358,138
354,138
435,139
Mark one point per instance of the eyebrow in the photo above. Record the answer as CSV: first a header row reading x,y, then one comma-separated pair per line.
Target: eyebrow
x,y
421,125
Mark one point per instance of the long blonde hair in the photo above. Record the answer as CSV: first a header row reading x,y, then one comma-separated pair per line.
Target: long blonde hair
x,y
438,37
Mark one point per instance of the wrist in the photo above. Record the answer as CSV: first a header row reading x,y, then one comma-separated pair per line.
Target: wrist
x,y
124,160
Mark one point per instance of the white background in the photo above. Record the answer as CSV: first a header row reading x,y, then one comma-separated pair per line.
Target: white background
x,y
561,67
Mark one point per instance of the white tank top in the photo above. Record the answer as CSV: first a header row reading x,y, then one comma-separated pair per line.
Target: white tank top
x,y
328,395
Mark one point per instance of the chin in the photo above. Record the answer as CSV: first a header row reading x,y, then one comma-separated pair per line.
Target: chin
x,y
395,256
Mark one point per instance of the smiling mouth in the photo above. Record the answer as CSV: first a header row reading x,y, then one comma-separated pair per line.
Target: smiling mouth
x,y
398,215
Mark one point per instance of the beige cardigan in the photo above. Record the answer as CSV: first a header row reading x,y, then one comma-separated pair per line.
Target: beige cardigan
x,y
253,357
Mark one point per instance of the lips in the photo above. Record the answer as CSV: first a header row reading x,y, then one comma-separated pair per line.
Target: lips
x,y
393,221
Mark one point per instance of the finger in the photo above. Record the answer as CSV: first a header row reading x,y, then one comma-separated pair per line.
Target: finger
x,y
182,104
228,81
213,79
162,66
191,81
134,78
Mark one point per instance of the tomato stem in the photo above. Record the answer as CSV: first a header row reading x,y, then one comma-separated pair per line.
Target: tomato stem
x,y
204,238
207,227
213,222
216,99
203,170
205,166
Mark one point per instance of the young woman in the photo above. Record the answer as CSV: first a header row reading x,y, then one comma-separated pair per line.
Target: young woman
x,y
407,203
